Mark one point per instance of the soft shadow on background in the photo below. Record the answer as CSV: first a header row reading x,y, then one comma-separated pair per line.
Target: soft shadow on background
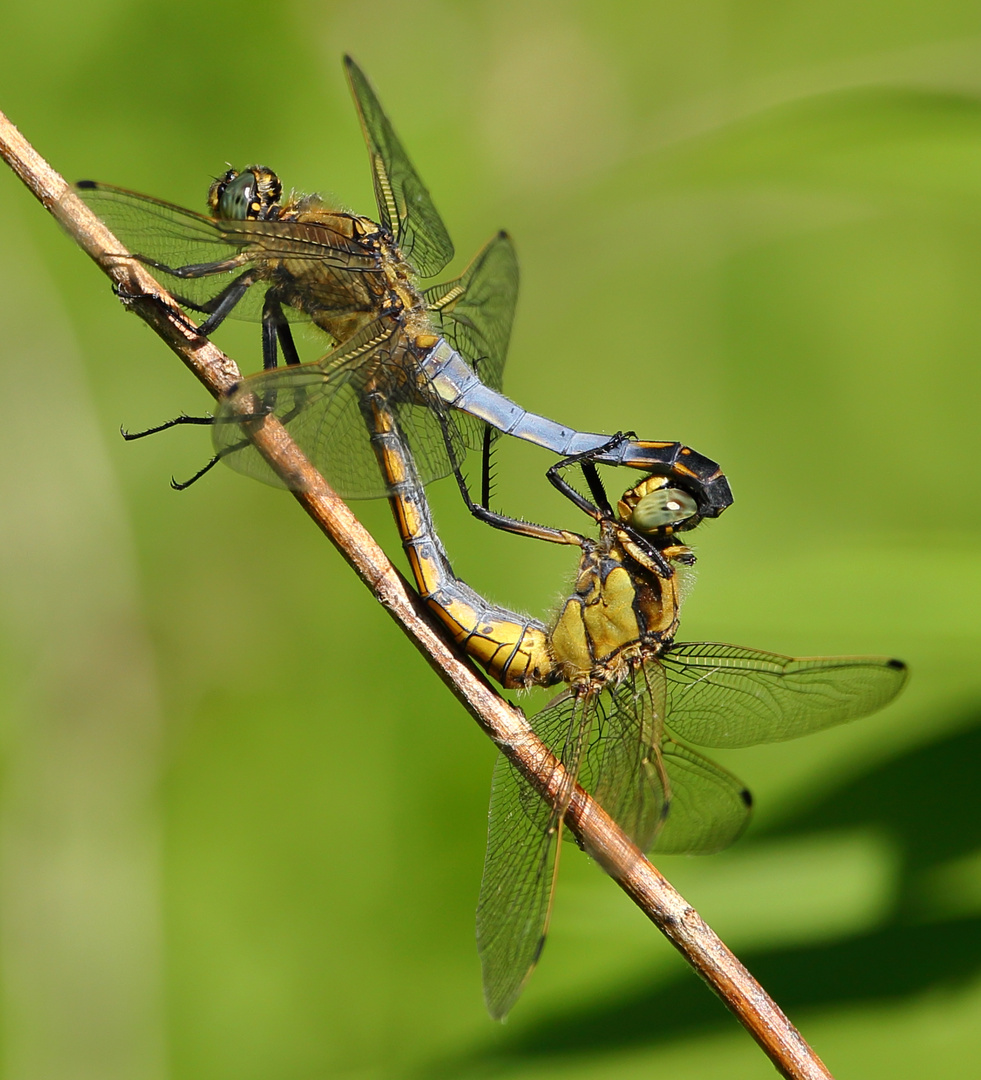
x,y
922,943
242,825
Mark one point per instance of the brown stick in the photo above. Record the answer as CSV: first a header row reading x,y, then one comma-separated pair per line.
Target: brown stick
x,y
507,726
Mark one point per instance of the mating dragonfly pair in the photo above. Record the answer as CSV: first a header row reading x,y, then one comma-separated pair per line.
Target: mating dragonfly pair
x,y
412,382
630,688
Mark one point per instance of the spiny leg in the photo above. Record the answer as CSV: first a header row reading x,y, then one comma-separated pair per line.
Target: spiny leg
x,y
219,307
586,461
483,512
183,485
275,330
602,510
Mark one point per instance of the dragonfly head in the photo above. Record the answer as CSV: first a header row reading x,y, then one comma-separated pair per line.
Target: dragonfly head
x,y
656,510
250,195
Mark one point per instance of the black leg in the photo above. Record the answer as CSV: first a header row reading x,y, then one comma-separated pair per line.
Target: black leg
x,y
486,478
129,436
286,344
649,554
645,550
601,509
270,352
196,270
183,485
596,488
500,521
219,307
276,333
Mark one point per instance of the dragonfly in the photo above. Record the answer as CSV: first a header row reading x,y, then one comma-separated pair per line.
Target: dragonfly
x,y
437,351
634,696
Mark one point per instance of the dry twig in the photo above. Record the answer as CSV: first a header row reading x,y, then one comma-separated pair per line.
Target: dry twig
x,y
507,726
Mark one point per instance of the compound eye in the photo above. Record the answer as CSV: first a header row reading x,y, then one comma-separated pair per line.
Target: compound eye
x,y
237,199
658,509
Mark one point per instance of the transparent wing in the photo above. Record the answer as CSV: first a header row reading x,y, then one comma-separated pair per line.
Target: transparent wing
x,y
517,886
171,237
476,311
404,204
724,695
666,797
522,858
621,766
320,405
708,807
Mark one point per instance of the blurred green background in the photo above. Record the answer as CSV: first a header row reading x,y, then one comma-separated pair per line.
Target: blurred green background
x,y
242,824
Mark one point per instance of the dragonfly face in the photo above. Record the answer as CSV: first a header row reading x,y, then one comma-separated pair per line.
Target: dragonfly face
x,y
656,509
438,352
251,195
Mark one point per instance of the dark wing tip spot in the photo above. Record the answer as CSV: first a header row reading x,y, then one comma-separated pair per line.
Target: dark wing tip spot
x,y
747,797
898,665
85,185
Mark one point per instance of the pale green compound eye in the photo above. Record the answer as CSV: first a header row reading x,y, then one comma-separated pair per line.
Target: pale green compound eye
x,y
666,506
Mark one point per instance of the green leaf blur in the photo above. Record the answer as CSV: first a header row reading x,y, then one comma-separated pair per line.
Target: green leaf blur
x,y
241,822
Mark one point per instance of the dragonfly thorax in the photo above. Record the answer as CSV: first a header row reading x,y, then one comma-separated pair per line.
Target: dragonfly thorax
x,y
344,304
365,276
618,612
400,277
